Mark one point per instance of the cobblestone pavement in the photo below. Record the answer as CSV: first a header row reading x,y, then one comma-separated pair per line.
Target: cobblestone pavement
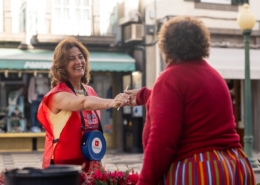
x,y
112,160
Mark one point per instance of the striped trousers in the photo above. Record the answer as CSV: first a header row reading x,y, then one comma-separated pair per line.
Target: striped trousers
x,y
217,167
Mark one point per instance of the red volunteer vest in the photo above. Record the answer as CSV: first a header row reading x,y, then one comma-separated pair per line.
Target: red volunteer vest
x,y
68,148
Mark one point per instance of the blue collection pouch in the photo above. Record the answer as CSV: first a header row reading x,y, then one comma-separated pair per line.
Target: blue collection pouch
x,y
93,146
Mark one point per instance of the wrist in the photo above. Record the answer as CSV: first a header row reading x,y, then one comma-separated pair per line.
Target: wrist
x,y
109,104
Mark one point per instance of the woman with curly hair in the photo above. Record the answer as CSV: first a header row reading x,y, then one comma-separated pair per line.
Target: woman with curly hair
x,y
69,109
189,135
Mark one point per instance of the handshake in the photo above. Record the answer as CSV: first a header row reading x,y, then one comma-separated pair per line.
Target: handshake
x,y
128,98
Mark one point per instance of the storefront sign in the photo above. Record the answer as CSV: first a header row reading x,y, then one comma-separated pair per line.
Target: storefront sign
x,y
37,65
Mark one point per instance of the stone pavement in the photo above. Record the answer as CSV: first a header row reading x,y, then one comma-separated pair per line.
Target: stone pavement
x,y
112,160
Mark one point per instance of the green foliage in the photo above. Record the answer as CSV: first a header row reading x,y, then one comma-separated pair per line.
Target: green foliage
x,y
100,183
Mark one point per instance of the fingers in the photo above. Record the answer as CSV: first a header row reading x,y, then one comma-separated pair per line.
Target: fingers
x,y
120,100
128,98
122,104
122,97
128,91
133,91
132,97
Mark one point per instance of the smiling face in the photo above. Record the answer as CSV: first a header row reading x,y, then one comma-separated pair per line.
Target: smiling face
x,y
76,64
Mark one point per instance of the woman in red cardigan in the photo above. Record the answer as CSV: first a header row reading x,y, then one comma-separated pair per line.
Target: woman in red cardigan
x,y
189,135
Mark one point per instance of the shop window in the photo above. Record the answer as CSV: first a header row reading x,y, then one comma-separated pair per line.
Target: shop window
x,y
18,100
13,118
237,102
234,89
10,77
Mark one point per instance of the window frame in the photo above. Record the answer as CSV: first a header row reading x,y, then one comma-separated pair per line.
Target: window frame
x,y
73,19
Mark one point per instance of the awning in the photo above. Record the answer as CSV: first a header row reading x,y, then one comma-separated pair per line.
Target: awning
x,y
16,59
230,63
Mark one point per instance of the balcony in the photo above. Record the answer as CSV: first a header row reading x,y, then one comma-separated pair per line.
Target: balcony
x,y
48,40
9,40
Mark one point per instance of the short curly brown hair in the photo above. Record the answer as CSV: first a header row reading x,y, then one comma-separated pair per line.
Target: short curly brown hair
x,y
61,59
184,38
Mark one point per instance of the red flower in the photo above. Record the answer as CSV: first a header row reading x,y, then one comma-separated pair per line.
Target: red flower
x,y
2,180
132,178
103,177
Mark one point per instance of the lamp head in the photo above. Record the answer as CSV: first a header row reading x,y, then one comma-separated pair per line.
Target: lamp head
x,y
245,18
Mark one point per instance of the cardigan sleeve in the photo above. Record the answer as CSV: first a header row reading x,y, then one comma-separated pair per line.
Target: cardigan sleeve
x,y
143,95
165,112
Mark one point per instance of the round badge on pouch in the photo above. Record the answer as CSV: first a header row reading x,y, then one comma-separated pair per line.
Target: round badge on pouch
x,y
93,146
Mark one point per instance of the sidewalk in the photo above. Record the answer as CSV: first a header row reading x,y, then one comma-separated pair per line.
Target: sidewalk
x,y
112,160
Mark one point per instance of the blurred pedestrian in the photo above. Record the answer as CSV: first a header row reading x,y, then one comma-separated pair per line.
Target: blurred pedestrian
x,y
69,109
189,135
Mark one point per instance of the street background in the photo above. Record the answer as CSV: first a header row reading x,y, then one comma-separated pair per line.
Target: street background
x,y
113,160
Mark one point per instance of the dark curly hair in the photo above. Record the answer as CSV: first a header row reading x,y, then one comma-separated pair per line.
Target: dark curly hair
x,y
184,39
61,59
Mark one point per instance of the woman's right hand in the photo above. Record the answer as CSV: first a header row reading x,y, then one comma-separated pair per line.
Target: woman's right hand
x,y
120,100
132,96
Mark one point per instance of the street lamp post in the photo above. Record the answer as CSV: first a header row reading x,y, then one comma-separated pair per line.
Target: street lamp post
x,y
246,22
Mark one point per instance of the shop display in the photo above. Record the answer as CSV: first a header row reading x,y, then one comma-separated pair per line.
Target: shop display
x,y
15,116
38,87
